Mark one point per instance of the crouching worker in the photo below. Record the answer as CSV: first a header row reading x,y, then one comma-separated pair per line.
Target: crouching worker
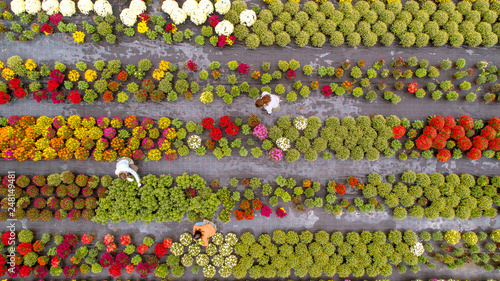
x,y
203,230
125,167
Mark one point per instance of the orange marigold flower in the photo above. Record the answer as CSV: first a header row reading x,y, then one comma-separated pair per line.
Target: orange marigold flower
x,y
255,74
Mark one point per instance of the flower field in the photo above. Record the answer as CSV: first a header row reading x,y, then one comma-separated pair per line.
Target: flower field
x,y
380,163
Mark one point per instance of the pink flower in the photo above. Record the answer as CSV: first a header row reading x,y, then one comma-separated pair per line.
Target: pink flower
x,y
281,213
213,20
243,68
111,247
192,66
276,154
266,211
55,19
108,239
290,74
260,131
326,90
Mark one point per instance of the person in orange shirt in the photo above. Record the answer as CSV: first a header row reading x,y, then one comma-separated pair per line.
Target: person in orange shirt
x,y
204,230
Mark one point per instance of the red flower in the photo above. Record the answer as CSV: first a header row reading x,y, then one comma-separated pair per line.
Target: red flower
x,y
144,17
494,144
398,132
248,213
239,215
55,19
207,123
25,271
443,155
221,41
457,132
24,248
14,83
213,20
437,122
216,134
130,268
167,243
290,74
125,240
224,121
192,66
413,87
232,130
474,154
464,143
142,249
170,28
495,123
47,29
480,143
75,97
429,132
445,133
450,122
4,98
326,90
53,85
57,97
20,93
87,238
352,181
160,250
466,122
266,211
6,237
423,143
488,133
115,270
340,188
243,68
281,213
256,204
55,261
122,75
439,143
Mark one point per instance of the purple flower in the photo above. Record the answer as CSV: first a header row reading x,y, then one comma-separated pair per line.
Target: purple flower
x,y
276,154
13,120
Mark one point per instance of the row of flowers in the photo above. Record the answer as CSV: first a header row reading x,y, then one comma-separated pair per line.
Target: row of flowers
x,y
268,256
104,139
364,23
110,80
58,196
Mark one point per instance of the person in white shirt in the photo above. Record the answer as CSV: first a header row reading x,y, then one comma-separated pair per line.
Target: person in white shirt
x,y
125,167
269,102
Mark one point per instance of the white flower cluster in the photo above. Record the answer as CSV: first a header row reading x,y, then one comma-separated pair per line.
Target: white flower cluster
x,y
186,239
209,271
18,7
224,27
283,143
194,249
211,249
225,250
178,16
138,6
189,6
67,7
223,6
187,260
103,8
33,6
248,17
217,238
300,123
225,272
194,142
206,6
417,249
169,6
218,260
202,260
85,6
177,249
198,16
129,15
50,7
231,261
231,239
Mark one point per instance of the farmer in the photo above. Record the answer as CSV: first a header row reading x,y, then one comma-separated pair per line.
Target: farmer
x,y
269,102
204,230
124,167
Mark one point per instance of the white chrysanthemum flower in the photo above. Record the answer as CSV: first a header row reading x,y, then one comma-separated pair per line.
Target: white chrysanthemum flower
x,y
178,16
67,7
128,17
206,6
190,6
33,6
103,8
50,7
222,6
224,28
18,7
85,6
248,17
138,7
198,17
194,142
283,143
417,249
169,6
300,123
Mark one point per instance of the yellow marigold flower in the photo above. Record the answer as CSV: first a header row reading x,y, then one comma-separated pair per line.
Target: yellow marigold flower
x,y
49,153
37,156
8,74
97,155
268,1
229,41
142,27
158,74
206,97
30,64
164,122
154,154
1,65
78,36
164,65
90,75
165,145
42,144
7,15
73,75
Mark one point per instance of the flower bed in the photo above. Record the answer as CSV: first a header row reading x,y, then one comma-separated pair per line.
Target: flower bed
x,y
355,254
364,137
312,24
78,84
